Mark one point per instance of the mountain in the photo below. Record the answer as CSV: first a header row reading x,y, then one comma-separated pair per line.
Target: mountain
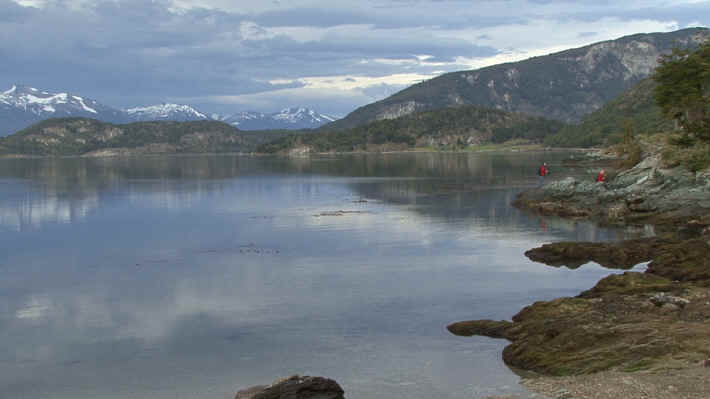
x,y
635,108
23,105
565,86
447,128
90,137
286,119
165,112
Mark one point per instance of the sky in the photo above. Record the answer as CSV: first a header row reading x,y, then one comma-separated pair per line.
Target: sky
x,y
226,56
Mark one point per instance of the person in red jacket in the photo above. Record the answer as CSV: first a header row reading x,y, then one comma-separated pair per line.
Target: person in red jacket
x,y
542,172
601,177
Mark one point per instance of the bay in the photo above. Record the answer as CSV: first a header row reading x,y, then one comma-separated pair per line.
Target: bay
x,y
196,276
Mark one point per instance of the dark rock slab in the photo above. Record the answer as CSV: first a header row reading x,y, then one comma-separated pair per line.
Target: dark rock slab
x,y
488,328
631,321
295,387
659,319
619,255
687,261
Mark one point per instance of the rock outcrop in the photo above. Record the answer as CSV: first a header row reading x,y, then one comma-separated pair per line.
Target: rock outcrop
x,y
657,319
633,321
295,387
623,255
648,193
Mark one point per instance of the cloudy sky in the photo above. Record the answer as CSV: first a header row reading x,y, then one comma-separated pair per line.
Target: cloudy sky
x,y
331,55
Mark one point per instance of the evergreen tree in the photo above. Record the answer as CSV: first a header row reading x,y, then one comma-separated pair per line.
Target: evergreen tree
x,y
683,91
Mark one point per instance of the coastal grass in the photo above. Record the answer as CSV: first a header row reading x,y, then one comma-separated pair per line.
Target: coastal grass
x,y
694,158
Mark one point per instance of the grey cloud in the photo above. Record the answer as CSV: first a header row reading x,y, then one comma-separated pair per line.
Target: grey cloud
x,y
684,14
400,18
316,17
574,2
337,103
135,49
13,12
133,52
381,91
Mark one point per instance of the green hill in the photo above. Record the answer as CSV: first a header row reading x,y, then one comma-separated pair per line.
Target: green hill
x,y
564,86
605,126
82,136
448,128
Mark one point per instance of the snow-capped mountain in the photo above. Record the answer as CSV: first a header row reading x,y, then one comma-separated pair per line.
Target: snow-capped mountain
x,y
21,106
163,112
287,118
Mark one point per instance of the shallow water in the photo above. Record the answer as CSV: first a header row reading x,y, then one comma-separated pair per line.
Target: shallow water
x,y
195,276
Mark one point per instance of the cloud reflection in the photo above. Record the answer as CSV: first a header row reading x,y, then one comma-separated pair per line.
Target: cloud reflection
x,y
167,267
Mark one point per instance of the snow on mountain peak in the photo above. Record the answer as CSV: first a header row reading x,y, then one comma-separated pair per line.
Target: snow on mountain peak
x,y
28,105
9,92
286,118
166,111
40,102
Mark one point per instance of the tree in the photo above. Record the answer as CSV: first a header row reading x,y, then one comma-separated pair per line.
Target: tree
x,y
683,91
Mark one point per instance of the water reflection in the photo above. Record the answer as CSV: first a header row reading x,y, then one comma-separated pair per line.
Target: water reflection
x,y
194,276
55,190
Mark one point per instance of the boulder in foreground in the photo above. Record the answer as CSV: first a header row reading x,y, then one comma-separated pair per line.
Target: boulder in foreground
x,y
295,387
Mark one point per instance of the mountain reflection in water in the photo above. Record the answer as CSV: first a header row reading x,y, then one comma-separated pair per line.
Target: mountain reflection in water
x,y
193,276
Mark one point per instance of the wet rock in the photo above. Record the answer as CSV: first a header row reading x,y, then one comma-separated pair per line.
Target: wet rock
x,y
661,299
628,283
606,330
562,394
488,328
341,213
647,193
658,319
621,255
295,387
687,261
631,321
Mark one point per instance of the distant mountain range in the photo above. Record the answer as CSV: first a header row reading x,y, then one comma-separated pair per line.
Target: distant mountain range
x,y
22,106
564,86
287,118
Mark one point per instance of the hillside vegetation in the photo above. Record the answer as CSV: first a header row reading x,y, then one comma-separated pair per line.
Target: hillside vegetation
x,y
82,136
565,86
449,128
635,108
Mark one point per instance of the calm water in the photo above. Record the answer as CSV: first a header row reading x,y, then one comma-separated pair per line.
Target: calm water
x,y
192,277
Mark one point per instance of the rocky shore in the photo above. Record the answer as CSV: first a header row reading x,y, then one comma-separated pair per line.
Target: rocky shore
x,y
669,198
642,334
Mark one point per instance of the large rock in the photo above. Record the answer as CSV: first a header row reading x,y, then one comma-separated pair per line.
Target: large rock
x,y
295,387
488,328
621,255
633,321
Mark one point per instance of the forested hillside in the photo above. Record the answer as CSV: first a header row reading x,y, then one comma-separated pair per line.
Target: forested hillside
x,y
449,128
81,136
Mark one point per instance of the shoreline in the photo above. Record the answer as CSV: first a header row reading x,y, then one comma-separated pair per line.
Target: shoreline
x,y
633,335
128,154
